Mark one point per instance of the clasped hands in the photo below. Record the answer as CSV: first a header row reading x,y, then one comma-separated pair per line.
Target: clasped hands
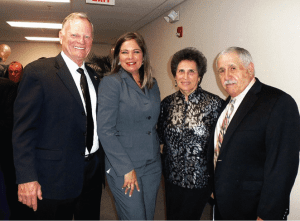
x,y
28,194
130,182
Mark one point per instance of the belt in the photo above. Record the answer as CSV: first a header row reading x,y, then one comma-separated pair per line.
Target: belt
x,y
90,156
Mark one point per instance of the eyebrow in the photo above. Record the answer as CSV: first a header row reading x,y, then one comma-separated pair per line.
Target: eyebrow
x,y
191,69
131,50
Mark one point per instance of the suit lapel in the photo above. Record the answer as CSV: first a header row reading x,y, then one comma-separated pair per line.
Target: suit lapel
x,y
247,103
66,77
131,83
93,77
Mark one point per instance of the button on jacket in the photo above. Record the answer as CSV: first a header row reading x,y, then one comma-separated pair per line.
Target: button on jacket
x,y
127,123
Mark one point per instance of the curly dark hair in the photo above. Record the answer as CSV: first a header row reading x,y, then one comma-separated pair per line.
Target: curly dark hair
x,y
190,54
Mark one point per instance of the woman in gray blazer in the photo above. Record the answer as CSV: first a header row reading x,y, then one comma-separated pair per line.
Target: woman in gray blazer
x,y
128,110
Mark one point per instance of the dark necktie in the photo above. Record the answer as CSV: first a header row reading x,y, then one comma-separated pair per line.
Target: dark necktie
x,y
88,107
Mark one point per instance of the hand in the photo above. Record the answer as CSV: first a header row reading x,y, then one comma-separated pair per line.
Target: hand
x,y
258,218
161,149
130,180
28,194
212,195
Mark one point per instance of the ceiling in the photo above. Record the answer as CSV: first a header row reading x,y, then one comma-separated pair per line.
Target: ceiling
x,y
109,21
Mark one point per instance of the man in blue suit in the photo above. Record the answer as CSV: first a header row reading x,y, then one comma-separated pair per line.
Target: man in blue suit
x,y
256,144
54,125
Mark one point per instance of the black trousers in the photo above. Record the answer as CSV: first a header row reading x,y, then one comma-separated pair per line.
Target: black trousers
x,y
185,204
18,211
218,216
84,207
4,209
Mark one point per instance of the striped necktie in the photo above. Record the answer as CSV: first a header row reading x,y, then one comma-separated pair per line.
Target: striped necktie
x,y
223,129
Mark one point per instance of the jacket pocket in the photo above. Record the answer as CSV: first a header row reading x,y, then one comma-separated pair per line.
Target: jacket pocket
x,y
252,185
47,154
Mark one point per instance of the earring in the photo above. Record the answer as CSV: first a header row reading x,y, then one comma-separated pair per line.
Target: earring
x,y
175,83
119,63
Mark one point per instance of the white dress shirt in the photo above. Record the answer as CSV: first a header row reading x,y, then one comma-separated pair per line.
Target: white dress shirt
x,y
238,101
72,66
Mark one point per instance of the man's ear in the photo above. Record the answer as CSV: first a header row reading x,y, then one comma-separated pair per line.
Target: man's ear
x,y
60,37
251,68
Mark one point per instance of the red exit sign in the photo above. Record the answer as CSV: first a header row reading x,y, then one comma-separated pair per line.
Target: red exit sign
x,y
101,2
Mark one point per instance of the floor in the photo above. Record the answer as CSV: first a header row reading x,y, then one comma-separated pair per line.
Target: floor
x,y
108,211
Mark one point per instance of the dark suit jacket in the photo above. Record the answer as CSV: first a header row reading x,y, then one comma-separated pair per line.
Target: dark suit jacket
x,y
4,71
49,129
127,123
8,93
259,156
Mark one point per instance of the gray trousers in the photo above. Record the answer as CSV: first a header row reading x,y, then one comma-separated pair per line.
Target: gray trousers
x,y
141,205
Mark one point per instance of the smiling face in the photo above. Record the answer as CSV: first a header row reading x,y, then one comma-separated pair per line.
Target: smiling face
x,y
187,76
76,39
234,76
131,56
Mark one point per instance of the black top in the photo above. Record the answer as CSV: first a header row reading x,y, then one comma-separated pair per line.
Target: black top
x,y
184,128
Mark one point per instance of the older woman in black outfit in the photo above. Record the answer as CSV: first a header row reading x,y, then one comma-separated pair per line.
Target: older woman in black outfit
x,y
185,124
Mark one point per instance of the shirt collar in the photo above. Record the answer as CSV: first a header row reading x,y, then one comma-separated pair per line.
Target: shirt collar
x,y
193,94
241,96
71,64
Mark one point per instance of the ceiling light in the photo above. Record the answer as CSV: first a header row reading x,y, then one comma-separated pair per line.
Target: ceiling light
x,y
41,39
34,25
62,1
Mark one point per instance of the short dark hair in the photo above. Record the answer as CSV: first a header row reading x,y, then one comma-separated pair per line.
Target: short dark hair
x,y
190,54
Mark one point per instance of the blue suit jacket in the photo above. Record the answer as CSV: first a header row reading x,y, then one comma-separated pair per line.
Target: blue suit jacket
x,y
49,129
127,120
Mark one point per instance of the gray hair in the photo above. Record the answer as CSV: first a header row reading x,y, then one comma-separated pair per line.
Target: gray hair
x,y
243,54
76,15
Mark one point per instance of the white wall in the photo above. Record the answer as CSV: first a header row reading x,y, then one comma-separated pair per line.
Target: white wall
x,y
26,52
268,29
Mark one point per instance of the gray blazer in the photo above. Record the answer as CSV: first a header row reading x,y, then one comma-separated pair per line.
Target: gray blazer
x,y
126,121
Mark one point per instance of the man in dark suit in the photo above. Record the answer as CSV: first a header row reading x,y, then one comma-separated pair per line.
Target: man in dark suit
x,y
54,127
8,92
255,146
